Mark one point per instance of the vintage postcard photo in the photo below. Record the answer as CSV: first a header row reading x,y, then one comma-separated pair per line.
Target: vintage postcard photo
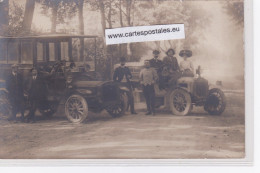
x,y
122,79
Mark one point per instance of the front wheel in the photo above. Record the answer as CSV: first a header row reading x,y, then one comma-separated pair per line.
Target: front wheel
x,y
76,109
216,102
117,110
180,102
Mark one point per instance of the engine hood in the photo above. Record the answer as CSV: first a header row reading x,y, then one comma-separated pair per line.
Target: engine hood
x,y
186,80
82,84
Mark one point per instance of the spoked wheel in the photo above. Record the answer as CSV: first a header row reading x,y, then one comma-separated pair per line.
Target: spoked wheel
x,y
216,102
180,102
76,109
118,109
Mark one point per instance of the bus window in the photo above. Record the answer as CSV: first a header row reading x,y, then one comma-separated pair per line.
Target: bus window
x,y
27,52
3,52
65,51
40,52
51,52
75,49
13,52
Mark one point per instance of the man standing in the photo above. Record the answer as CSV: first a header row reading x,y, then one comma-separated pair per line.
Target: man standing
x,y
123,74
14,85
37,93
148,77
155,62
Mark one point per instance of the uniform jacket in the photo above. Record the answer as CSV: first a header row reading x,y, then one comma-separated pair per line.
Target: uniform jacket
x,y
156,63
122,72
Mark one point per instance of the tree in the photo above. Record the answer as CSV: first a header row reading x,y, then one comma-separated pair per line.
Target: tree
x,y
60,10
236,11
190,14
28,15
80,4
4,11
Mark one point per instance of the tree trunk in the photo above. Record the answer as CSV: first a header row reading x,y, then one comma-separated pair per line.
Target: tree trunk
x,y
109,15
28,15
103,22
120,13
81,18
81,28
54,17
103,17
4,12
128,11
128,17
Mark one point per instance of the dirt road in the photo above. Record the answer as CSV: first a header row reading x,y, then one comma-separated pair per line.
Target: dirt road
x,y
198,135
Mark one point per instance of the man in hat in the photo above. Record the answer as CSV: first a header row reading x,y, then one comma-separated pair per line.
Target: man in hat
x,y
14,85
186,66
123,74
155,62
37,91
148,77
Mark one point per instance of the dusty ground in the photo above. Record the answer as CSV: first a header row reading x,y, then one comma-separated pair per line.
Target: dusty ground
x,y
198,135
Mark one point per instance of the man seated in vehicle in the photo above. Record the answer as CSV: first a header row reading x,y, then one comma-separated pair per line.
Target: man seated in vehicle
x,y
123,74
186,66
86,72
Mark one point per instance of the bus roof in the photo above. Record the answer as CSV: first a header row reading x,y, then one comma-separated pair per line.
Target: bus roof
x,y
49,36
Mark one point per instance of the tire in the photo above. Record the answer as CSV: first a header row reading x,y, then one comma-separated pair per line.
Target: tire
x,y
76,109
180,102
216,102
119,109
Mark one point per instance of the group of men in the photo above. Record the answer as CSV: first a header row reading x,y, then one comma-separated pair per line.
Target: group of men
x,y
164,72
35,86
16,85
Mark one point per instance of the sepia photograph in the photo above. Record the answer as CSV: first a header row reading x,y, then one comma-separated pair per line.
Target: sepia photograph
x,y
122,79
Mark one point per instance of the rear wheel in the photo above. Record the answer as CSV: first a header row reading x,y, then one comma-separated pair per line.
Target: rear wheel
x,y
118,109
180,102
76,109
216,102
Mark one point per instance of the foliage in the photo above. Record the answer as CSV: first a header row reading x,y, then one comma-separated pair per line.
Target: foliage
x,y
191,15
16,15
65,9
236,11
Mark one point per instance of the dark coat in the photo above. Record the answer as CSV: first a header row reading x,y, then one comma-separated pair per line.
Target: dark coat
x,y
120,72
157,64
37,88
171,63
14,85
